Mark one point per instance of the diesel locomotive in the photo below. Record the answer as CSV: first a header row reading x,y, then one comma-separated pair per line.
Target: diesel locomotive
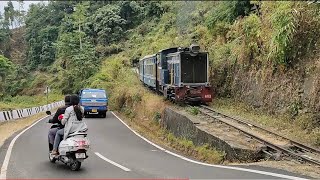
x,y
180,74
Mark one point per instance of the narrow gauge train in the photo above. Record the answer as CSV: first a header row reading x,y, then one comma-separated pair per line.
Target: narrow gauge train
x,y
180,74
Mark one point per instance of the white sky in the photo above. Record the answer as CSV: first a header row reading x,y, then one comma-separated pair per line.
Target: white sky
x,y
16,4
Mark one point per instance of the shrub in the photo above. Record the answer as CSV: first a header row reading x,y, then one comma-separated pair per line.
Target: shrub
x,y
193,110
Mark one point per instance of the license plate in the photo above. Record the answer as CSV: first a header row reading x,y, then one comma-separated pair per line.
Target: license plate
x,y
80,155
94,110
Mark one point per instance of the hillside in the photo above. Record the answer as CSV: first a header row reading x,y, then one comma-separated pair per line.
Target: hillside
x,y
263,55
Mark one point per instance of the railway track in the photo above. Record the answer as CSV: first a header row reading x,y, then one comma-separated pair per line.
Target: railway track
x,y
296,150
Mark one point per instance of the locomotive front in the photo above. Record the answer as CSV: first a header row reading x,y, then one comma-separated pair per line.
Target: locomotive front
x,y
189,71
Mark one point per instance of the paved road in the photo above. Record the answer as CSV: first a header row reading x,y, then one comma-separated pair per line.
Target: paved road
x,y
111,139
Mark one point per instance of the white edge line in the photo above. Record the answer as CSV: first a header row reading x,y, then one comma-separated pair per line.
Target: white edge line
x,y
211,165
112,162
6,160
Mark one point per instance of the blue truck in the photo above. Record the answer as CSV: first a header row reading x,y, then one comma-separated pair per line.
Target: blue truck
x,y
94,101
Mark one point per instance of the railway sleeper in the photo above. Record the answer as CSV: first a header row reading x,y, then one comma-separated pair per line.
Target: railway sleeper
x,y
271,153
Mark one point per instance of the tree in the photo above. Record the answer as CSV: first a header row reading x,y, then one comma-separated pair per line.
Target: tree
x,y
79,17
132,12
42,30
20,13
77,64
10,12
4,30
6,68
108,24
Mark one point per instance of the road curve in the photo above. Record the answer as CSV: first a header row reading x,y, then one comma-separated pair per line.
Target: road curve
x,y
116,152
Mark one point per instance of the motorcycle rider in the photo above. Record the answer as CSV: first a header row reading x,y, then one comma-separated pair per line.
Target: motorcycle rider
x,y
53,131
72,120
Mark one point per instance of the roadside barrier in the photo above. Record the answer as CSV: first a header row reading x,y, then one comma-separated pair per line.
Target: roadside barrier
x,y
22,113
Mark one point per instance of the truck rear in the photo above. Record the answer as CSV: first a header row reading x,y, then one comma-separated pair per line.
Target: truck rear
x,y
94,101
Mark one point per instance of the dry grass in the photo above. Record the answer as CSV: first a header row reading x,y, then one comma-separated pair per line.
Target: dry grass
x,y
285,126
7,129
144,117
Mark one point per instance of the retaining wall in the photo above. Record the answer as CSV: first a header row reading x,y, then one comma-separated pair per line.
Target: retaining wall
x,y
184,127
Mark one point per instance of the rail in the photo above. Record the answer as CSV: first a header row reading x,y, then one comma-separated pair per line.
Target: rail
x,y
299,156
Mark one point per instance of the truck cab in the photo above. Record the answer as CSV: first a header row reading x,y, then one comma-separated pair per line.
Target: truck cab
x,y
94,101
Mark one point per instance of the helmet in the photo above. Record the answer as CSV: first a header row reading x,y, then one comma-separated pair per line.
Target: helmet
x,y
67,99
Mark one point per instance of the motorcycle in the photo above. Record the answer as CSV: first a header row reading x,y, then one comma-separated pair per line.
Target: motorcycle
x,y
73,150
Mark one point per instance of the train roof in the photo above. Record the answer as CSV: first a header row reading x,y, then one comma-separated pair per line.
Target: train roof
x,y
148,56
172,48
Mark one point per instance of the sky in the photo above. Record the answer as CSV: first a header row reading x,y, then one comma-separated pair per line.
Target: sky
x,y
16,5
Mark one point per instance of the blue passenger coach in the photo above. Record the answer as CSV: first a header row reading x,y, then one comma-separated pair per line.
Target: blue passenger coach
x,y
148,73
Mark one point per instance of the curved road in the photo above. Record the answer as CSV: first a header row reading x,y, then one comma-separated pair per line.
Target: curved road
x,y
116,152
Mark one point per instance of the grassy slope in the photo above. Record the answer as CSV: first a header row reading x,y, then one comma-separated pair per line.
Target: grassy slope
x,y
28,101
138,104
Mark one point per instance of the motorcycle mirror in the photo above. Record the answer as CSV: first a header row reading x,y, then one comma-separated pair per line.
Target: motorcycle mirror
x,y
48,112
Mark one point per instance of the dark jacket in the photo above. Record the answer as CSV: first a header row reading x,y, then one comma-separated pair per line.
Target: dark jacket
x,y
57,114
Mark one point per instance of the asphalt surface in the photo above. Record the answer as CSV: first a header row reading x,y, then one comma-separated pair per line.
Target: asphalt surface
x,y
113,140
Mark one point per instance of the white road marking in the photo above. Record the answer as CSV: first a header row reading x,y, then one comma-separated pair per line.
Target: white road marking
x,y
211,165
112,162
3,173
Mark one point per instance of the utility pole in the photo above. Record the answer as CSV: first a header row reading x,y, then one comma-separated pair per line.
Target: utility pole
x,y
80,33
47,93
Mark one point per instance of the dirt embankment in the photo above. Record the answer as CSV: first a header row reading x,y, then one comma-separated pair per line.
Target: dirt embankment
x,y
294,92
15,48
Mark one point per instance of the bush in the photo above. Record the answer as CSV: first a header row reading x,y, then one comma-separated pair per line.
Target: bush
x,y
193,110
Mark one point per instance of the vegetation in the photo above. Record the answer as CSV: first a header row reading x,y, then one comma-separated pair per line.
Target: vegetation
x,y
303,129
71,39
76,44
10,103
193,110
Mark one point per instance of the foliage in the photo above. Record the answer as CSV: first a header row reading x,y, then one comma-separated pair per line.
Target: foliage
x,y
77,64
10,103
193,110
227,12
42,27
108,24
6,67
295,30
283,23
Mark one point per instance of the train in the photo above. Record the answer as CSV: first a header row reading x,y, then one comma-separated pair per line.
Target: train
x,y
180,74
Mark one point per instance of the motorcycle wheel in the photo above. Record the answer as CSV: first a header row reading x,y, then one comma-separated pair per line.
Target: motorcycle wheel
x,y
52,159
75,165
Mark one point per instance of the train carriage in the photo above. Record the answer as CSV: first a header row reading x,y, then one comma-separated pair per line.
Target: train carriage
x,y
148,74
180,74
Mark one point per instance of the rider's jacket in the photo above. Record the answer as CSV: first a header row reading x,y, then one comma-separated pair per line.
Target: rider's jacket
x,y
57,114
72,123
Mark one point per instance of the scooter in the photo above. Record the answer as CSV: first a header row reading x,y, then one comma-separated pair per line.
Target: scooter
x,y
72,151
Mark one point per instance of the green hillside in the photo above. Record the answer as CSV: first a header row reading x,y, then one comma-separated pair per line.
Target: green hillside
x,y
262,54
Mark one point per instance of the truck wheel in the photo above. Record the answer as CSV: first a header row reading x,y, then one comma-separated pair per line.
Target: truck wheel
x,y
104,115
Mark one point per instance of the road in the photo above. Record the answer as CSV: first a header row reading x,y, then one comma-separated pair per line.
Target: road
x,y
116,152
